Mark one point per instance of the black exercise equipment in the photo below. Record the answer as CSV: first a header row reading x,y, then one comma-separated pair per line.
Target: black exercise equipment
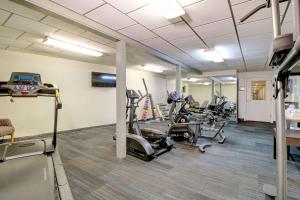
x,y
36,163
144,143
180,130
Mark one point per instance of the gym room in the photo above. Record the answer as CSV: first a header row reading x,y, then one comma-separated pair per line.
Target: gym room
x,y
150,99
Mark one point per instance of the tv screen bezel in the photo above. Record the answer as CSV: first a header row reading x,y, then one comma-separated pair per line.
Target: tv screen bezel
x,y
99,84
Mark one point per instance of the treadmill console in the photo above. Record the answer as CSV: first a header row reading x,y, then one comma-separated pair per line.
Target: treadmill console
x,y
131,94
24,84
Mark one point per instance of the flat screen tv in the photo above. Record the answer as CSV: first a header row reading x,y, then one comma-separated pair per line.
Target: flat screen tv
x,y
103,79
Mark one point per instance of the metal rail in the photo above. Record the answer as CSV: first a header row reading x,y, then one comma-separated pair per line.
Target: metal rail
x,y
256,9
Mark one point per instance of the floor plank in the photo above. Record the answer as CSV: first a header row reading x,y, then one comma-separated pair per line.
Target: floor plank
x,y
235,170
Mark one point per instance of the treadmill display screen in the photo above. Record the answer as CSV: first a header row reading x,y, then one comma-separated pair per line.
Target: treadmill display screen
x,y
25,77
103,80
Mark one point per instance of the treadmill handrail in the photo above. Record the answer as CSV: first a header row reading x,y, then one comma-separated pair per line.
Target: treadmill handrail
x,y
55,94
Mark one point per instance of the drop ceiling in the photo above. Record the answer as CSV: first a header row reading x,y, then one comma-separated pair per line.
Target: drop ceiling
x,y
24,29
212,20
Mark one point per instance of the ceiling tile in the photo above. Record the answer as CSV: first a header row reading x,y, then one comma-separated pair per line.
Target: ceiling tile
x,y
257,62
71,38
95,37
157,43
150,18
233,2
178,55
216,29
101,47
255,28
104,15
14,43
161,45
256,43
138,32
224,39
81,41
3,16
206,12
287,27
256,53
15,49
33,38
28,25
9,32
43,48
113,45
187,2
3,46
57,23
128,5
188,44
80,6
174,31
289,14
226,45
21,10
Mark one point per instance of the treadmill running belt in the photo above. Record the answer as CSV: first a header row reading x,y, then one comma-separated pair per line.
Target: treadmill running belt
x,y
27,178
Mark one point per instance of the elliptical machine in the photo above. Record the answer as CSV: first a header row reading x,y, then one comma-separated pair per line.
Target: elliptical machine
x,y
183,131
144,143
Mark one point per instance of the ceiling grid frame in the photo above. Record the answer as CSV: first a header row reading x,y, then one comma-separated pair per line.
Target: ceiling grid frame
x,y
146,28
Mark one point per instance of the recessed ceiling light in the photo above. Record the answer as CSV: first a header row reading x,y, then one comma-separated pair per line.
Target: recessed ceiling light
x,y
168,8
153,68
71,47
212,55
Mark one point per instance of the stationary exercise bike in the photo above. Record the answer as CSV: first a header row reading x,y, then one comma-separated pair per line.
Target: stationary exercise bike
x,y
212,122
183,131
144,143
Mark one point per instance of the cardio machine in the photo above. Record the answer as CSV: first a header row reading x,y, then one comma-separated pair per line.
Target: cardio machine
x,y
183,131
212,123
144,143
32,169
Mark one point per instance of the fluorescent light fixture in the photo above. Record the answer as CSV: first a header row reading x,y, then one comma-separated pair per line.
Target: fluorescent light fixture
x,y
206,83
168,8
192,79
72,47
212,55
153,68
232,78
107,77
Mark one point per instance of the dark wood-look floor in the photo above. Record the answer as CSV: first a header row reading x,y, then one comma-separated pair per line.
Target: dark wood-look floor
x,y
234,170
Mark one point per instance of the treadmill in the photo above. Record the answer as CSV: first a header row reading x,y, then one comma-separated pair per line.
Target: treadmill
x,y
32,169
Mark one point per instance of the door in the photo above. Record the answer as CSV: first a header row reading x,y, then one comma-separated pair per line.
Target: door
x,y
259,100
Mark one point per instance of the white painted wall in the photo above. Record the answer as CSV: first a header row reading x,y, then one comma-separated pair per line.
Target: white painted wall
x,y
200,92
203,92
230,91
83,105
261,75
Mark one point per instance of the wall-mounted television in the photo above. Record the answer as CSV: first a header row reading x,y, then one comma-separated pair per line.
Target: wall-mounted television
x,y
103,79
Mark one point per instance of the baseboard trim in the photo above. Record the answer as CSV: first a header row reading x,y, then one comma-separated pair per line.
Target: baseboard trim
x,y
46,135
